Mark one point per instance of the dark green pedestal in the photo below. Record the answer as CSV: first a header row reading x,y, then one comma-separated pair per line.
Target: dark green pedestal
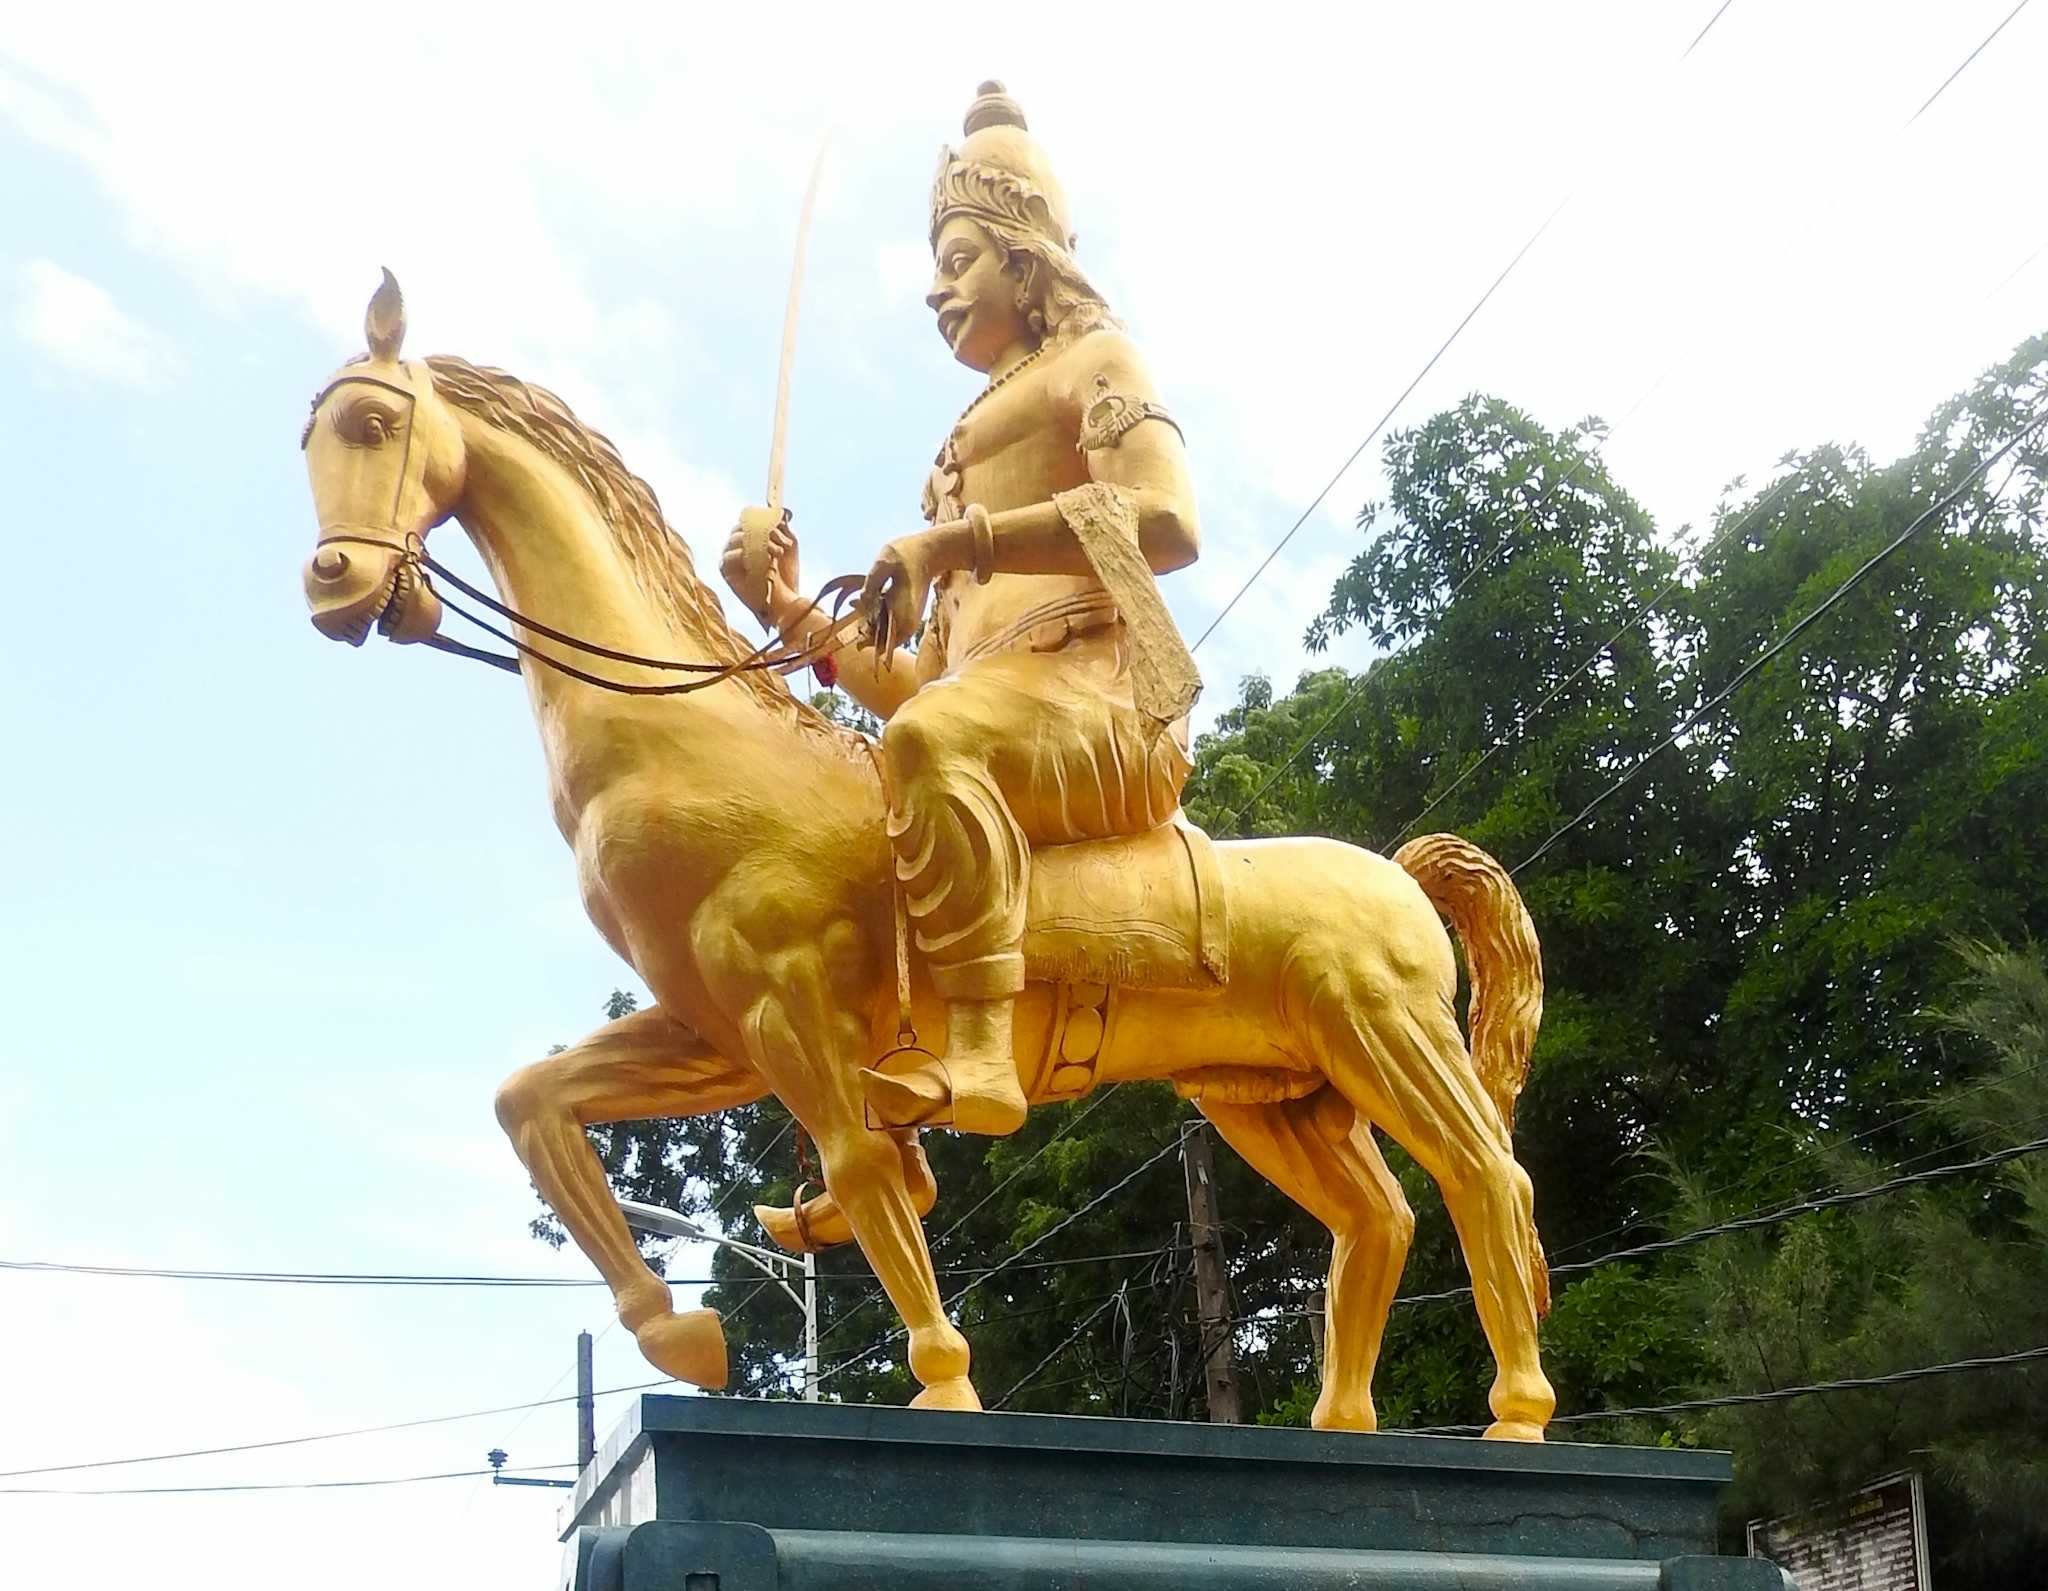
x,y
721,1494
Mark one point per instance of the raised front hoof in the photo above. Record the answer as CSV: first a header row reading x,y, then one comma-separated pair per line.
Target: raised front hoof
x,y
827,1223
1514,1431
689,1346
957,1393
1329,1416
927,1097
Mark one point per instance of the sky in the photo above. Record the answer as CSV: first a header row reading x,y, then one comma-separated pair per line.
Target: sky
x,y
279,916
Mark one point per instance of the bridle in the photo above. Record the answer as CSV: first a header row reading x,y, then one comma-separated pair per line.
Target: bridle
x,y
777,655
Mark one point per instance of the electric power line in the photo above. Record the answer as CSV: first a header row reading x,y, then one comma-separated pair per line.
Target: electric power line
x,y
1785,1212
751,1167
314,1278
1063,1130
1479,565
1394,407
1065,1343
1044,1237
1709,28
1733,1400
266,1486
1380,425
1571,679
1958,72
321,1436
1819,1149
1826,604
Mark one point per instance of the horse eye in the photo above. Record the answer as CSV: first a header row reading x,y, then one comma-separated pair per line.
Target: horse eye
x,y
366,425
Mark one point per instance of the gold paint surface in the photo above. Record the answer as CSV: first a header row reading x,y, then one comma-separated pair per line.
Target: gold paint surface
x,y
745,857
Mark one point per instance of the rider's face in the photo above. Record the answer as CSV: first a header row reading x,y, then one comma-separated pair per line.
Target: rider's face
x,y
974,295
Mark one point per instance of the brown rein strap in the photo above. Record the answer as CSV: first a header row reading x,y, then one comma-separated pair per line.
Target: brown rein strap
x,y
771,655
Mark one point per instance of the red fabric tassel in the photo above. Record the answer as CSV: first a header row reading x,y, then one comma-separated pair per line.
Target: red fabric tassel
x,y
826,669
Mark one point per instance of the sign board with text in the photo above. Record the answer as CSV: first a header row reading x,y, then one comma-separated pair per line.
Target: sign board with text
x,y
1872,1540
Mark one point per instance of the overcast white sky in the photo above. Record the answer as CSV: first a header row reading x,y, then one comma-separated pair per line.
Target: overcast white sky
x,y
280,916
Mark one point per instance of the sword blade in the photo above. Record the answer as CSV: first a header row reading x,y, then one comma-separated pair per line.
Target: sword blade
x,y
778,446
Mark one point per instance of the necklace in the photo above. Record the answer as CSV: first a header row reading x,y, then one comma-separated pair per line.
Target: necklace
x,y
942,491
987,391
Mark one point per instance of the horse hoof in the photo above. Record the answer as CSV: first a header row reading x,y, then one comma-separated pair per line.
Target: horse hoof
x,y
956,1393
1328,1417
689,1346
1514,1431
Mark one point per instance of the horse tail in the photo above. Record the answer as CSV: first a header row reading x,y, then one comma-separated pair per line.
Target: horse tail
x,y
1476,894
1486,911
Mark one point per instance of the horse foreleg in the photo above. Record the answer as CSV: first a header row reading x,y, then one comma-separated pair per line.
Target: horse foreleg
x,y
1318,1153
811,1049
646,1064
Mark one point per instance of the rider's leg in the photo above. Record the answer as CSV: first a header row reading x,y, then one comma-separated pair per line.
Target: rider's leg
x,y
1014,750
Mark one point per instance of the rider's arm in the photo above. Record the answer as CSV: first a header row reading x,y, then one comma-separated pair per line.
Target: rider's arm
x,y
881,685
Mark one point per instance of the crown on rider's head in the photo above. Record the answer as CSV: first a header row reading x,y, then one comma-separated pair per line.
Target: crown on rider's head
x,y
1000,176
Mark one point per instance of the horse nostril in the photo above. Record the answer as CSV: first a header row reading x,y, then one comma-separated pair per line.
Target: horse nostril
x,y
330,563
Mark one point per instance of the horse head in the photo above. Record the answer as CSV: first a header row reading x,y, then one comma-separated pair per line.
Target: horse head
x,y
385,455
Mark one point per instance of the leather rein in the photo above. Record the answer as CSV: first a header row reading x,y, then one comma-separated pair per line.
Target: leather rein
x,y
777,655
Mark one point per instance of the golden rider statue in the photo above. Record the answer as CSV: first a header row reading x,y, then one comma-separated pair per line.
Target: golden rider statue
x,y
1047,699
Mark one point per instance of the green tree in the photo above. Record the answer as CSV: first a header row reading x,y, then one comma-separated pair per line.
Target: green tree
x,y
1956,1269
1739,941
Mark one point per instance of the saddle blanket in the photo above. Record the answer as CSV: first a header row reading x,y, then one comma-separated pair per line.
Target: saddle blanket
x,y
1145,911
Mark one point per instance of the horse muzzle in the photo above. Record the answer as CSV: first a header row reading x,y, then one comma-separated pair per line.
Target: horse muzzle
x,y
350,589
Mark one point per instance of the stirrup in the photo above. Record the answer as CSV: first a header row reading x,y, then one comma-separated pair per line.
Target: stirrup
x,y
990,1113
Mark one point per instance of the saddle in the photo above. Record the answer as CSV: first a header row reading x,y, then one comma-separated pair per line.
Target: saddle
x,y
1144,911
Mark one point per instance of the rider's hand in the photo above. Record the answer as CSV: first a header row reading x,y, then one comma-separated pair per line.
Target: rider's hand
x,y
897,589
782,589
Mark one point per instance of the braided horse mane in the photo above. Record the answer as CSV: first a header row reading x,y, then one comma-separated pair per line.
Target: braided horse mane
x,y
654,553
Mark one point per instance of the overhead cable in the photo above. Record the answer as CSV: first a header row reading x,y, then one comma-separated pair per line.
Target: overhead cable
x,y
1763,658
1958,72
1044,1237
266,1486
1735,1400
1786,1212
1671,588
1380,425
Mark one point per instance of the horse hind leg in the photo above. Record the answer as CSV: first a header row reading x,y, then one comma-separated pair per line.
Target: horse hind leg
x,y
646,1064
1321,1155
1401,1061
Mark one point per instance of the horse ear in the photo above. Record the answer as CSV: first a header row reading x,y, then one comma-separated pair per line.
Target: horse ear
x,y
384,322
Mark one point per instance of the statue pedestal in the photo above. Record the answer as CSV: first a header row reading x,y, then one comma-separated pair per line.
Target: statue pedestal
x,y
722,1494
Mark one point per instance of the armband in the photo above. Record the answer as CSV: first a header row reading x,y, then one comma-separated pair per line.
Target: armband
x,y
1112,416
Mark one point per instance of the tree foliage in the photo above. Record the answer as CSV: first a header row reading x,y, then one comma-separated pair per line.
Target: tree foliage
x,y
1742,943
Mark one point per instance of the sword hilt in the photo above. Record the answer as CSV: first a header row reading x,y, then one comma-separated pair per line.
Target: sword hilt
x,y
757,556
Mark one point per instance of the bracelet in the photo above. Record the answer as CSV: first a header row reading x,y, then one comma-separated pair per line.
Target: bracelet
x,y
984,534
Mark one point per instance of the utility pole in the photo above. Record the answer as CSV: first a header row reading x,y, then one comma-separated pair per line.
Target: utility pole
x,y
810,1326
1212,1280
586,1405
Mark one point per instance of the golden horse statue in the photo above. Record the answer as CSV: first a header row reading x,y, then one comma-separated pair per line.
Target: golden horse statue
x,y
1300,991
